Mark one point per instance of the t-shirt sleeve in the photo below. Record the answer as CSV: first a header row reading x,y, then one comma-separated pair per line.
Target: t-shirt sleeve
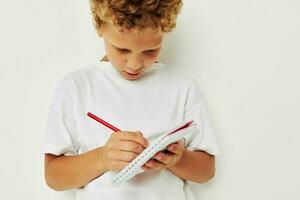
x,y
203,138
60,130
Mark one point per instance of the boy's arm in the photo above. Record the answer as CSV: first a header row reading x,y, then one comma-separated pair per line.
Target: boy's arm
x,y
196,166
68,172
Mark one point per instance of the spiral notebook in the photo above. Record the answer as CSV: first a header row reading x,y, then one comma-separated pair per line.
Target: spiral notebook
x,y
134,167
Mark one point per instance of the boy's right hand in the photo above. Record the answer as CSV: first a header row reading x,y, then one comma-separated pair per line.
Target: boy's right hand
x,y
121,148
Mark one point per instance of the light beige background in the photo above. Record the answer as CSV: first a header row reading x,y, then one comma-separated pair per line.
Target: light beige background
x,y
243,53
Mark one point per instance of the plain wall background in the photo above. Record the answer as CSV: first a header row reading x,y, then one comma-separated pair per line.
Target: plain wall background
x,y
243,53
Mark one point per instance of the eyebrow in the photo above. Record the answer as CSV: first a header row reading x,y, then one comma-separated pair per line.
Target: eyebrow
x,y
154,48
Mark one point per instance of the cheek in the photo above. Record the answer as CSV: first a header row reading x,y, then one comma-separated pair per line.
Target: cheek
x,y
116,58
150,60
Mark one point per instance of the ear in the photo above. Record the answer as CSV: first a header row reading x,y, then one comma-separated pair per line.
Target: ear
x,y
105,59
100,33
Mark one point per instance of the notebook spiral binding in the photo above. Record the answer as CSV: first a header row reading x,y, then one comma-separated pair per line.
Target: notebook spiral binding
x,y
128,171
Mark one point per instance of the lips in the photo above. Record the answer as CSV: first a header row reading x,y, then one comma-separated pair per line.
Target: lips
x,y
132,75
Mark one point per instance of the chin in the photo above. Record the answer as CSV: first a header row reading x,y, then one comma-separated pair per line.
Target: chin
x,y
131,79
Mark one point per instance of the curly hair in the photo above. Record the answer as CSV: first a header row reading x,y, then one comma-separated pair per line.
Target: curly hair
x,y
140,14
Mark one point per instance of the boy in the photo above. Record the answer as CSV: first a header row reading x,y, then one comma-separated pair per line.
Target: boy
x,y
130,89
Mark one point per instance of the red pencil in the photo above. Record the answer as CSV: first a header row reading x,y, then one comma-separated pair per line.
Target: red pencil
x,y
103,122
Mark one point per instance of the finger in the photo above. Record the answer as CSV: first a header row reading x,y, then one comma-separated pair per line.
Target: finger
x,y
126,156
145,168
176,147
173,148
164,158
134,136
131,146
154,164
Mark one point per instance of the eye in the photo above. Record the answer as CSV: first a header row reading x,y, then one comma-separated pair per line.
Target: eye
x,y
150,51
123,50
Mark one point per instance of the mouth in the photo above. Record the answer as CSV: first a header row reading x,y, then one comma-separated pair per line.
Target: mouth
x,y
131,74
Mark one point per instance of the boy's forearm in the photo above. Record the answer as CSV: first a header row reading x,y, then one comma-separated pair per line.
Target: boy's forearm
x,y
196,166
69,172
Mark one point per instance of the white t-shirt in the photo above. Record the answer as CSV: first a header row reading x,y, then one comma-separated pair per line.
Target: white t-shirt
x,y
163,98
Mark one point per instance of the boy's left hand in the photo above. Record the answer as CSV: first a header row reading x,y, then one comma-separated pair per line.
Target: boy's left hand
x,y
166,159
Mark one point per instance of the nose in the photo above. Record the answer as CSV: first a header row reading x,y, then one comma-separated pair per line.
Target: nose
x,y
135,64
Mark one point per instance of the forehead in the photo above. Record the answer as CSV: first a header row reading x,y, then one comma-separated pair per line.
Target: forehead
x,y
133,38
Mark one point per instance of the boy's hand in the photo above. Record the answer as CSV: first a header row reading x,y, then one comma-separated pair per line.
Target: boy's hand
x,y
166,159
121,148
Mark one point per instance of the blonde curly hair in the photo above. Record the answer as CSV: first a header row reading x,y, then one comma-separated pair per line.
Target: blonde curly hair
x,y
140,14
